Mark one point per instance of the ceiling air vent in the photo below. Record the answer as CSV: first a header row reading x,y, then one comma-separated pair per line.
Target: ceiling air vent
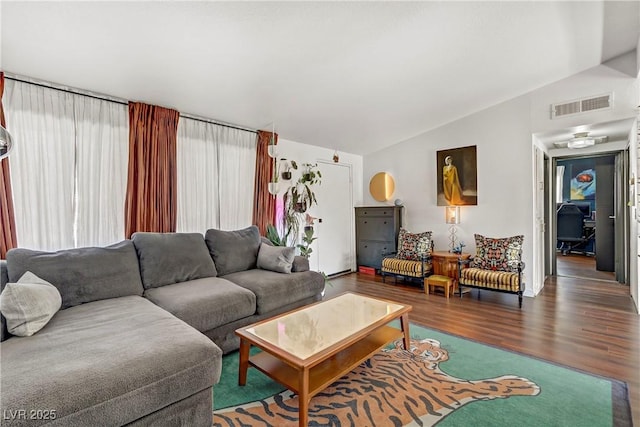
x,y
600,102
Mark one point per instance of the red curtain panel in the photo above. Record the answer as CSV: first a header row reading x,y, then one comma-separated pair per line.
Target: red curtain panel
x,y
8,238
264,206
151,201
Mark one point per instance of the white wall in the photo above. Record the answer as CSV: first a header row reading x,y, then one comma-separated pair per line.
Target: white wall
x,y
303,153
502,135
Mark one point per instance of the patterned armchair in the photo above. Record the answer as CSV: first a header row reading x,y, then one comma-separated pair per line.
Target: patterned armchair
x,y
413,259
497,266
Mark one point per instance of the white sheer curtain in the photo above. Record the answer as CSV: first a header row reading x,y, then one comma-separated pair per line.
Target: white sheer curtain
x,y
237,165
69,169
216,168
41,121
102,162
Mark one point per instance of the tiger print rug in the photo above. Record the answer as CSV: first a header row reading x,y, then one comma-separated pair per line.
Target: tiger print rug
x,y
394,387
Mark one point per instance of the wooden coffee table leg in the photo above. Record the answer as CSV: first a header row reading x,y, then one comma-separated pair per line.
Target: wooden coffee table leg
x,y
303,397
244,361
404,324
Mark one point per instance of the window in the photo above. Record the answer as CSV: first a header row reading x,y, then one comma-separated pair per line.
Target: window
x,y
216,172
69,167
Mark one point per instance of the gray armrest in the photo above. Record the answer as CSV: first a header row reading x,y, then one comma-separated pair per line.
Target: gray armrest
x,y
300,264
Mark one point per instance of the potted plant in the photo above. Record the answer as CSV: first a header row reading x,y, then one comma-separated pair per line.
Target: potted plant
x,y
307,240
309,220
301,195
311,174
274,237
273,185
297,199
286,168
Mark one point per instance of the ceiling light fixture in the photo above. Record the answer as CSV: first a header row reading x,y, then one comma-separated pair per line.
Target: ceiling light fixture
x,y
6,144
581,140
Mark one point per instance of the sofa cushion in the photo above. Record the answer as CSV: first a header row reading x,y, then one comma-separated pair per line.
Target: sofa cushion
x,y
275,258
83,274
107,362
167,258
274,290
405,267
204,303
29,304
503,280
501,254
234,251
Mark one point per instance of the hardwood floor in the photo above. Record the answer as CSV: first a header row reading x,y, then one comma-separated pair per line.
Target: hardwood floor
x,y
586,324
576,265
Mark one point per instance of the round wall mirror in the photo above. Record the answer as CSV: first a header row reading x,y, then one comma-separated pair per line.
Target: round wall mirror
x,y
381,186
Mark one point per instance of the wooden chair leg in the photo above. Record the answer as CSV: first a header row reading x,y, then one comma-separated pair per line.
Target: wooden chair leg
x,y
519,299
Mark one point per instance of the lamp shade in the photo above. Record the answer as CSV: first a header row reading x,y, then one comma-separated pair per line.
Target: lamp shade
x,y
452,214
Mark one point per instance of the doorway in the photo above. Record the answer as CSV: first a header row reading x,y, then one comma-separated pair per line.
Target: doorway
x,y
587,191
335,253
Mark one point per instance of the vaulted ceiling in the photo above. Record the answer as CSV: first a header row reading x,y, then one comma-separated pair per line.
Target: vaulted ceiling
x,y
352,76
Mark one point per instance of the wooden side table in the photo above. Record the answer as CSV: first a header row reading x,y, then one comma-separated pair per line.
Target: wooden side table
x,y
438,281
446,264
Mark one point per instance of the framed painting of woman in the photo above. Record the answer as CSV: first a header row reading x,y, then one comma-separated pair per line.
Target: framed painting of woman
x,y
457,178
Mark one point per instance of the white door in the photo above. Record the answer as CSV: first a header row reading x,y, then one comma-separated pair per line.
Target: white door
x,y
334,227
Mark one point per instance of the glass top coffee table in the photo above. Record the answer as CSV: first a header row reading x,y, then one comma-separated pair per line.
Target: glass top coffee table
x,y
308,349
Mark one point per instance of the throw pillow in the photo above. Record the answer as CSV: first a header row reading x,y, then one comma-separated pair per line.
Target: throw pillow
x,y
413,246
276,258
233,251
29,304
498,254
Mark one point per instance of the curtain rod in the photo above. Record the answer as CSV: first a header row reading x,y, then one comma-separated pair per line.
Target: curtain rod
x,y
63,88
109,98
205,120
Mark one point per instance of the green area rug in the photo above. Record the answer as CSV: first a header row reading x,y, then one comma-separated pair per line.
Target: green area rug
x,y
444,380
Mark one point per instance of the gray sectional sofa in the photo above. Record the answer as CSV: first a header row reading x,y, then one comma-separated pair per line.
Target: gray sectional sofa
x,y
142,327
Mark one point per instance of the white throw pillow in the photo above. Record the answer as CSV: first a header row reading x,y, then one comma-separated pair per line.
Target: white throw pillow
x,y
29,304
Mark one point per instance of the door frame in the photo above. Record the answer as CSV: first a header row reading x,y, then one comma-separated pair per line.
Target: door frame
x,y
620,195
